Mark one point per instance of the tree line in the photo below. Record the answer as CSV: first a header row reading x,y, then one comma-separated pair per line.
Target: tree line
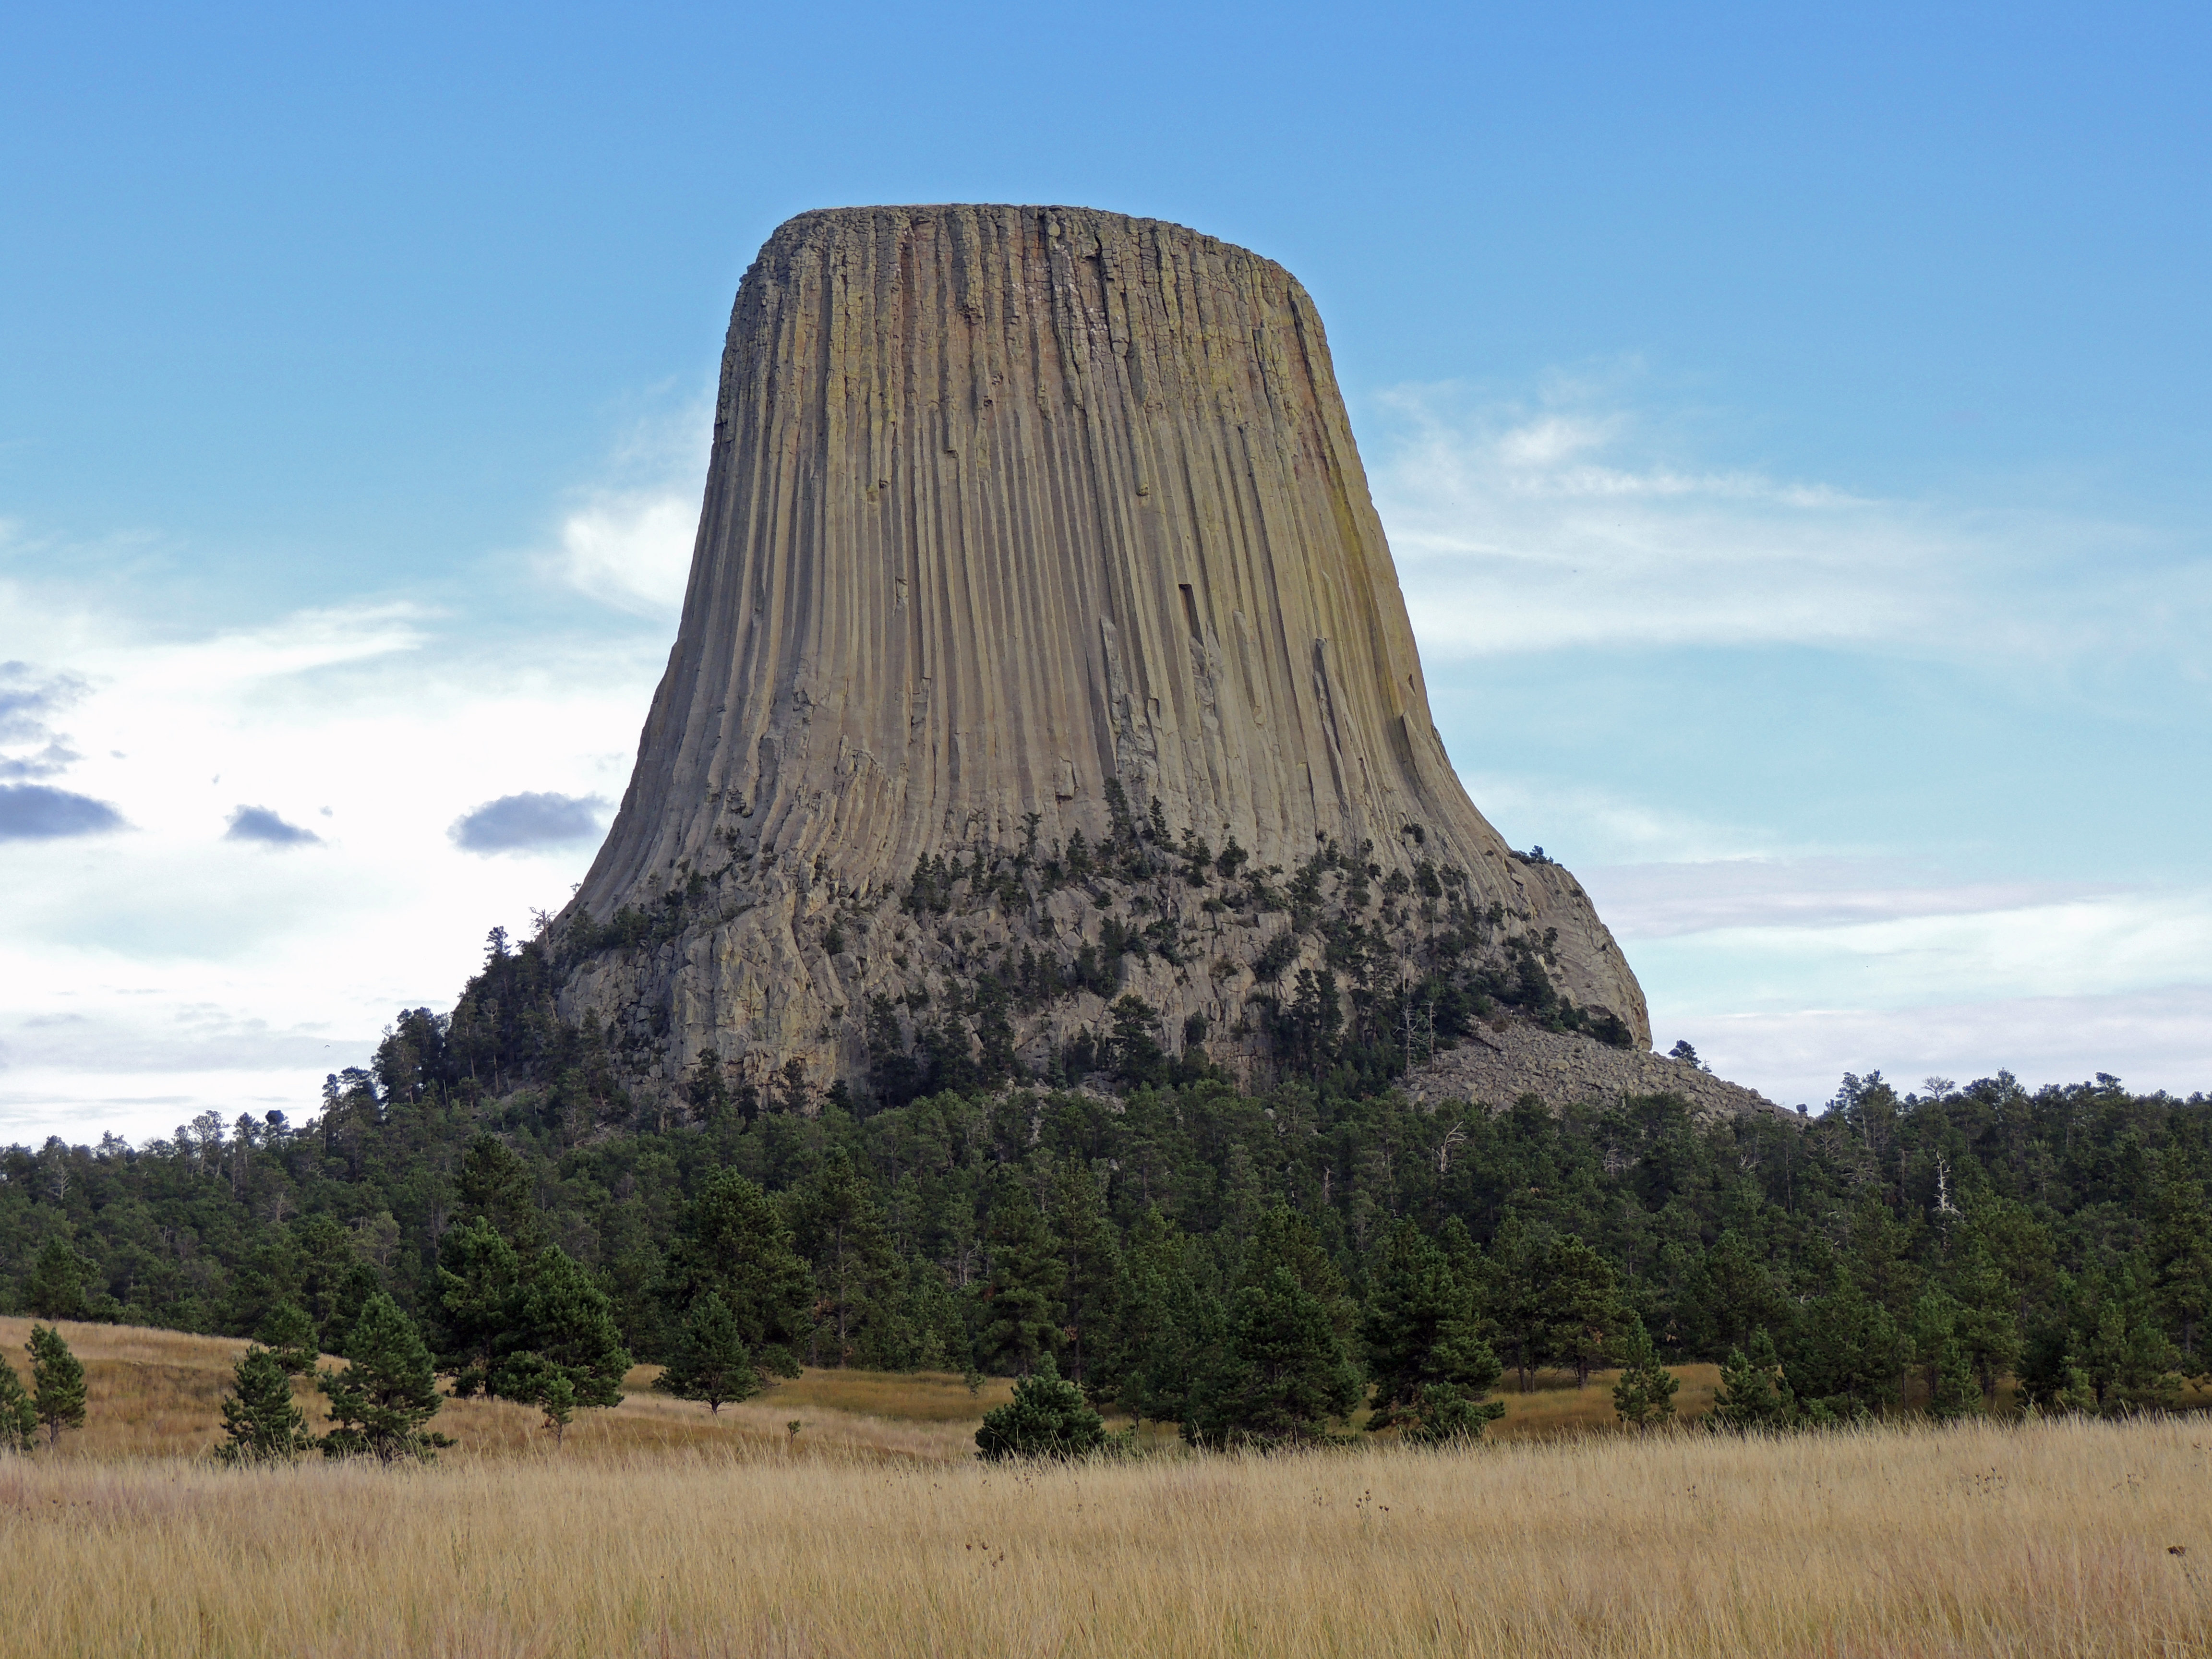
x,y
1162,1245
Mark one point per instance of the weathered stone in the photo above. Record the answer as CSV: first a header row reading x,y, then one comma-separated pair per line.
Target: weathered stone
x,y
1008,507
1505,1060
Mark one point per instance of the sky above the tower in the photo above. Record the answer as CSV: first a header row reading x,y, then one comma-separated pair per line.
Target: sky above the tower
x,y
1789,420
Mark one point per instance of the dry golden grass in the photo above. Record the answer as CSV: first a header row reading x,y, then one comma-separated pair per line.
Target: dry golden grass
x,y
2048,1539
157,1393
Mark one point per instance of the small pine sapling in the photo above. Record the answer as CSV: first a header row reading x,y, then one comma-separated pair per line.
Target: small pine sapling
x,y
1047,1416
711,1364
56,1383
18,1419
556,1398
381,1401
1644,1395
1957,1391
1753,1395
261,1423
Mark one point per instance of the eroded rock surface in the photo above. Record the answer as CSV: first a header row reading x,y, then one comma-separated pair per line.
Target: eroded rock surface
x,y
1501,1061
1038,606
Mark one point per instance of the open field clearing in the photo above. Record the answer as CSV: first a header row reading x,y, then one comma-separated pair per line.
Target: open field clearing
x,y
2054,1538
156,1394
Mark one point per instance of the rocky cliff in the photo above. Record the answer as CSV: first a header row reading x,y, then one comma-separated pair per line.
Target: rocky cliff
x,y
1042,645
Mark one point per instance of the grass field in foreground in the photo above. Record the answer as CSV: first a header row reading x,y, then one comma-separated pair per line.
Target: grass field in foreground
x,y
2054,1538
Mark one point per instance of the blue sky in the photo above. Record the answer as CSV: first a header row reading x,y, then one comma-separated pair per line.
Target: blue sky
x,y
1789,420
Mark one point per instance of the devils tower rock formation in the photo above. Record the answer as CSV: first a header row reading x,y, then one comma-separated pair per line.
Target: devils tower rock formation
x,y
1042,646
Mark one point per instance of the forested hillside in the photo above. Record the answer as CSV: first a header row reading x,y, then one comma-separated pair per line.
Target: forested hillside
x,y
1890,1249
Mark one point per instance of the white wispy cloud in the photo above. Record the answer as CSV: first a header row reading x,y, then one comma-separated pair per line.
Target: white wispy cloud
x,y
1522,527
627,541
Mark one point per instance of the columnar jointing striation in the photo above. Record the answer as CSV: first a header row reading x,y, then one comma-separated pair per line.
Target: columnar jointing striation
x,y
1009,507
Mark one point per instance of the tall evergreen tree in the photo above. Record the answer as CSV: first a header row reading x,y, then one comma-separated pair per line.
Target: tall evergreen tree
x,y
1091,1287
566,1326
1026,1272
290,1336
711,1364
1171,1322
261,1423
1425,1347
1580,1301
838,1226
1287,1364
56,1383
733,1240
479,1296
380,1404
1753,1395
494,1184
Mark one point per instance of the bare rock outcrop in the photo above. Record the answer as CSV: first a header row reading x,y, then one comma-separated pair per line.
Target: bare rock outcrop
x,y
1502,1059
1041,644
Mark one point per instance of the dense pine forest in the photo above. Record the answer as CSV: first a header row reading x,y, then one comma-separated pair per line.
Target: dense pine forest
x,y
1899,1250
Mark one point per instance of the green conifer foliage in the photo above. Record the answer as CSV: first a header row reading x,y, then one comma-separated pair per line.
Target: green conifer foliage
x,y
19,1418
379,1404
478,1299
55,1289
564,1322
1957,1392
1753,1395
1169,1322
711,1362
1092,1288
838,1225
1047,1416
1425,1347
56,1383
1019,1292
1643,1396
733,1240
1287,1366
289,1335
260,1422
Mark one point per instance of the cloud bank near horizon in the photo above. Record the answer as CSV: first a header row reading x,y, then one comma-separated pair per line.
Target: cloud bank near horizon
x,y
425,774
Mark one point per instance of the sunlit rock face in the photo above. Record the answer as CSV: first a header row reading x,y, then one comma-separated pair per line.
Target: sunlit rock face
x,y
1032,533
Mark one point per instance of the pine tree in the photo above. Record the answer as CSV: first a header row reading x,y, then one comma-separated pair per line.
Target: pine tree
x,y
1091,1289
1169,1324
1753,1395
1644,1395
380,1403
289,1334
837,1225
711,1364
262,1423
55,1289
1286,1366
56,1383
1424,1349
556,1398
565,1323
733,1241
495,1185
1581,1303
19,1417
478,1300
1956,1392
1047,1416
1024,1276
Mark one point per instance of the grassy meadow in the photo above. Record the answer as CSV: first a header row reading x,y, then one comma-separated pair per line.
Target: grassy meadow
x,y
657,1530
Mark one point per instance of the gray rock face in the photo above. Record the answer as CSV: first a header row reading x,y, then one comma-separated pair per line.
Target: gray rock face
x,y
1505,1060
1025,525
